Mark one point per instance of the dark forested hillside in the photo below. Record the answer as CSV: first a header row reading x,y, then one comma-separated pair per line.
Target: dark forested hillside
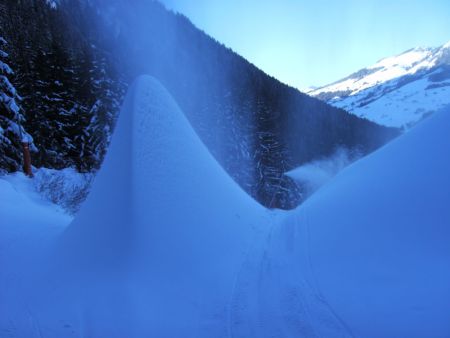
x,y
73,63
70,90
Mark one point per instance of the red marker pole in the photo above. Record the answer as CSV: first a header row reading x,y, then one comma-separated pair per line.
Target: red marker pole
x,y
27,159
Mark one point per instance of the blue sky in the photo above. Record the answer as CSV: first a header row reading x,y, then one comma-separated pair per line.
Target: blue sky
x,y
316,42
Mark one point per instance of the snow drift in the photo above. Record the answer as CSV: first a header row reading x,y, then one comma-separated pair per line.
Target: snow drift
x,y
154,250
375,240
166,215
168,245
160,190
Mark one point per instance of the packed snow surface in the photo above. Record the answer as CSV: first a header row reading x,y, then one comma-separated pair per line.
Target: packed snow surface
x,y
21,205
168,245
375,240
28,225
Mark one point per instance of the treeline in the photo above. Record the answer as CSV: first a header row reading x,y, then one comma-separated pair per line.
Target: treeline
x,y
69,87
73,64
257,127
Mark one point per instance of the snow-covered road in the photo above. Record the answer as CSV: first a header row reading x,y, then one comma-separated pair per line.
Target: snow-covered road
x,y
275,293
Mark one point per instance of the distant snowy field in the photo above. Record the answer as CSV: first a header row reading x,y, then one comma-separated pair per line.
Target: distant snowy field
x,y
168,245
397,91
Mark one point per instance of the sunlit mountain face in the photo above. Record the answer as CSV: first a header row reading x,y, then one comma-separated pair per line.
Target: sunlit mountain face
x,y
397,91
82,55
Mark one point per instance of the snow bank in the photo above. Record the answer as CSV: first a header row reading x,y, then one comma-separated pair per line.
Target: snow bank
x,y
167,245
377,238
22,206
162,235
28,223
179,240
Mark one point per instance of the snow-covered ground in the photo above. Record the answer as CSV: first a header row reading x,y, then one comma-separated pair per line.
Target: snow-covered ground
x,y
21,204
28,224
168,245
397,91
66,187
375,239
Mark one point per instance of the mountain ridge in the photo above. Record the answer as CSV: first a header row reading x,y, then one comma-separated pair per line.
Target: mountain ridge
x,y
396,91
255,126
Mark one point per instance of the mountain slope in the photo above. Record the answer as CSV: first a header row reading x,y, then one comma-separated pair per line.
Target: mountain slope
x,y
375,239
69,88
397,91
255,126
73,62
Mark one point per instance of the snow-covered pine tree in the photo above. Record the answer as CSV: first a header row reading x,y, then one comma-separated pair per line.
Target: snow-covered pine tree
x,y
239,112
104,84
273,187
12,134
54,106
52,3
72,90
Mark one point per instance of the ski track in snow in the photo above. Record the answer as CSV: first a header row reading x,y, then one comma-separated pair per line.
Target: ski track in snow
x,y
273,297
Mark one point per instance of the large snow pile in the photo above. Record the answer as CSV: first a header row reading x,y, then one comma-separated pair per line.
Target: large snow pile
x,y
168,245
375,240
164,246
397,91
184,226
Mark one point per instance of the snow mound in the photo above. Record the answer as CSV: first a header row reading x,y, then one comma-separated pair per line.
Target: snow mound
x,y
375,239
167,243
162,216
158,179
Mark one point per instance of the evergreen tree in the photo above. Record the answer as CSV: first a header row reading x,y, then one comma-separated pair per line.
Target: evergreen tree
x,y
74,60
106,89
12,133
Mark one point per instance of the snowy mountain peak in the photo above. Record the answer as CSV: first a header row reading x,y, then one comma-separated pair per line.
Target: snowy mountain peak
x,y
405,60
397,91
